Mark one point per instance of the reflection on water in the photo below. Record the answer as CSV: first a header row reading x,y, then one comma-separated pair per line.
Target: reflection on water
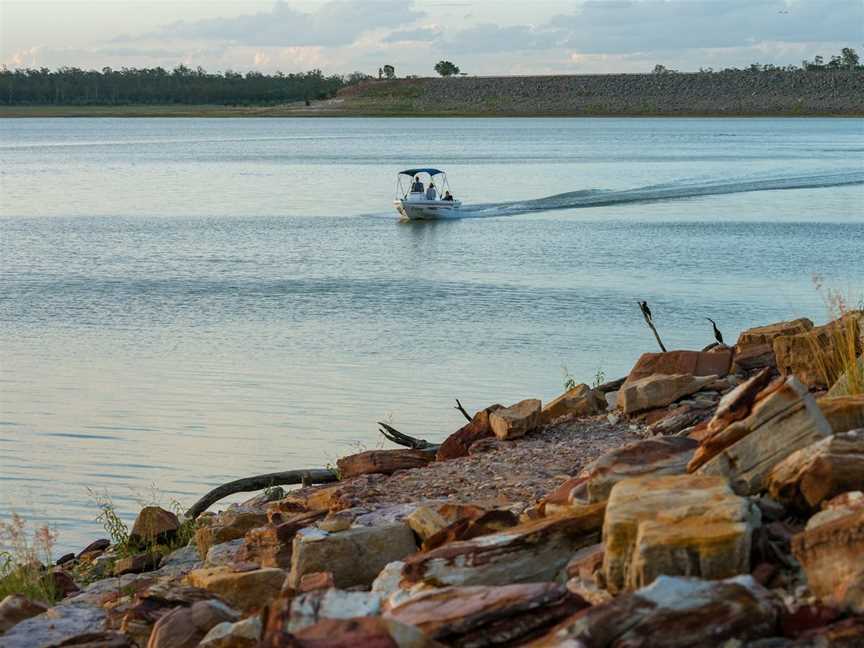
x,y
183,302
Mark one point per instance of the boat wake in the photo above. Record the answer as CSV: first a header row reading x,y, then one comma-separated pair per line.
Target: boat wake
x,y
669,191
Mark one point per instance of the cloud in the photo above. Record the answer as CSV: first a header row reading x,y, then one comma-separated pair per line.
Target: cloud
x,y
338,22
413,35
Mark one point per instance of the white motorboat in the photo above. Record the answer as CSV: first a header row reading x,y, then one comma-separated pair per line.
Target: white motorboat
x,y
417,202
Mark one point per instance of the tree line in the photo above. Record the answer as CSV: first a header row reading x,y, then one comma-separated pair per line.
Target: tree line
x,y
182,85
848,59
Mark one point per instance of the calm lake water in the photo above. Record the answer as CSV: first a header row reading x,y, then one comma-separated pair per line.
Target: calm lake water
x,y
187,301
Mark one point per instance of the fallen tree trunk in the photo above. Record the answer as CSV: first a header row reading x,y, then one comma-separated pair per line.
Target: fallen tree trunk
x,y
392,434
260,482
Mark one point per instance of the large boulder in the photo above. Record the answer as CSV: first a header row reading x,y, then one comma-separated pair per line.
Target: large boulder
x,y
531,552
844,413
54,626
309,608
581,400
229,525
137,618
755,346
487,616
15,608
784,421
384,462
354,556
240,634
830,550
271,545
655,456
680,525
674,613
691,363
245,590
154,524
185,627
658,390
819,355
517,420
458,443
820,471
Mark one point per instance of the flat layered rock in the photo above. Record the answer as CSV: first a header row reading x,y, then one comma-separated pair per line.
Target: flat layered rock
x,y
531,552
810,355
185,627
659,390
245,590
271,545
310,608
229,525
766,334
517,420
384,462
487,616
675,526
844,413
581,400
673,613
820,471
458,443
781,423
365,632
54,626
693,363
15,608
830,550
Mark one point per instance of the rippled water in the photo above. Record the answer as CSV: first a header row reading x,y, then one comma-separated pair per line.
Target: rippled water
x,y
185,301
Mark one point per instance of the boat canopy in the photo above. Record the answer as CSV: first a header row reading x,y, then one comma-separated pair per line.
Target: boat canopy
x,y
413,172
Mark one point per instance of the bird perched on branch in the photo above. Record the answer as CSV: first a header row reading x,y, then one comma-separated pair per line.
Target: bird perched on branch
x,y
717,334
643,306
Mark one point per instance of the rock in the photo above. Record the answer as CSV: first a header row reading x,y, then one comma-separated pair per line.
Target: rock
x,y
226,553
655,456
228,525
819,471
830,549
738,403
310,608
658,390
54,626
65,558
107,639
152,603
354,556
61,582
766,334
336,521
784,421
385,462
142,562
241,634
751,358
487,616
316,581
676,420
185,627
692,363
517,420
679,525
472,525
848,633
154,525
673,613
425,522
588,591
247,590
841,385
812,355
180,562
94,548
360,632
271,545
15,608
531,552
458,443
581,400
586,562
844,413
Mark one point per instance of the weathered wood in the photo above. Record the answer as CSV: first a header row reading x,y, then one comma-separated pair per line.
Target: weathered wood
x,y
260,482
383,462
392,434
462,409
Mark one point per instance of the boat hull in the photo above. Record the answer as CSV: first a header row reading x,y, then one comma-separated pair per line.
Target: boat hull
x,y
426,209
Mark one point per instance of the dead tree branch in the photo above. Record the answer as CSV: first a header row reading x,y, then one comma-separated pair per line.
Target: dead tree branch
x,y
649,320
392,434
462,409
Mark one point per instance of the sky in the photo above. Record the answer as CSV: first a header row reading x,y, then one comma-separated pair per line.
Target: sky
x,y
483,37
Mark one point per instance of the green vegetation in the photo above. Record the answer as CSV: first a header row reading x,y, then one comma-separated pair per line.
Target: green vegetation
x,y
23,560
847,60
446,68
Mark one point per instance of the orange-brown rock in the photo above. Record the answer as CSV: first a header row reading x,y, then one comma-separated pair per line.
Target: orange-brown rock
x,y
316,581
581,400
814,356
830,550
766,334
271,545
820,471
586,562
154,524
487,616
785,420
517,420
425,522
531,552
359,632
673,613
384,462
473,525
658,390
185,627
844,413
15,608
142,562
676,420
750,358
693,363
229,525
678,525
458,443
245,590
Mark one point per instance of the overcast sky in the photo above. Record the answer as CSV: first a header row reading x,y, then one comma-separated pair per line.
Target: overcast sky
x,y
481,36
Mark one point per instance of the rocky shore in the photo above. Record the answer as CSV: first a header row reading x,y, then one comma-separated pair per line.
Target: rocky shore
x,y
709,498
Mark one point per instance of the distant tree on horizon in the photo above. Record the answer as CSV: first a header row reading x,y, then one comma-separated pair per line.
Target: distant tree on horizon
x,y
389,72
446,68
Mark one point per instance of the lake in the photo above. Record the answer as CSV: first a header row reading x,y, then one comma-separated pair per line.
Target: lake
x,y
188,301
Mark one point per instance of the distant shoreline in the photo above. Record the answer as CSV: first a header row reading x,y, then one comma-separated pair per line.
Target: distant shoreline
x,y
245,112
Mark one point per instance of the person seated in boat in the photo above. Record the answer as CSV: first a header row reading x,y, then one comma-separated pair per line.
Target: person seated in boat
x,y
448,196
431,194
417,185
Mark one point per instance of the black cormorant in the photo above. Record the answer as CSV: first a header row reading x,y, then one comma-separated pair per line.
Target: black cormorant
x,y
717,334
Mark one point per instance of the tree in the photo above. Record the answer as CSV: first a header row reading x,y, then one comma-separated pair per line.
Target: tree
x,y
850,57
660,69
446,68
389,71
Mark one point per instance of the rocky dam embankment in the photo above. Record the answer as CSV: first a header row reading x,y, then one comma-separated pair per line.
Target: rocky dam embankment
x,y
838,92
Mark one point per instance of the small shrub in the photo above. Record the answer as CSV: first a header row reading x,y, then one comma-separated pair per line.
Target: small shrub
x,y
24,557
569,379
838,346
